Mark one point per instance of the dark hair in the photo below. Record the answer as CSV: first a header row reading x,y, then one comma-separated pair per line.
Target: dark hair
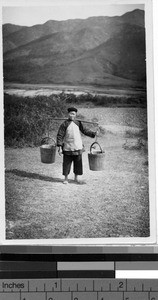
x,y
72,109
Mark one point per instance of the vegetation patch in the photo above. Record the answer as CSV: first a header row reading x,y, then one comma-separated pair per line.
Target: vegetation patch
x,y
27,120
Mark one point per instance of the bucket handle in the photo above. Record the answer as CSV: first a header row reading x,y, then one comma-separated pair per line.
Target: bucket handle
x,y
46,139
93,145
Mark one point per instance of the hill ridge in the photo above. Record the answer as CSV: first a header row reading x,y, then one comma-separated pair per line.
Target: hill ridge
x,y
83,51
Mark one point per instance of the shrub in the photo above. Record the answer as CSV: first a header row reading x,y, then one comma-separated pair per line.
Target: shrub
x,y
26,120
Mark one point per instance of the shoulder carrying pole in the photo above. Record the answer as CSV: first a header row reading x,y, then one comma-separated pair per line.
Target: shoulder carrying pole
x,y
90,122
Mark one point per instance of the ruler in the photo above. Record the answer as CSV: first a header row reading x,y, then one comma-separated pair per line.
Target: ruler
x,y
79,289
76,277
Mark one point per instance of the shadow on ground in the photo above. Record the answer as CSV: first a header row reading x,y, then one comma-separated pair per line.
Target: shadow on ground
x,y
37,176
33,175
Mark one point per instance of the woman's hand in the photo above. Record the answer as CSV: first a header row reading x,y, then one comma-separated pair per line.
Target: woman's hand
x,y
97,132
60,151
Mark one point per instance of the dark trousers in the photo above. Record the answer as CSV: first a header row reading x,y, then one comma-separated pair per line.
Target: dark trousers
x,y
77,161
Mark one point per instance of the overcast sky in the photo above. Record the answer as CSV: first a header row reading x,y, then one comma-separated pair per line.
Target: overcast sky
x,y
28,15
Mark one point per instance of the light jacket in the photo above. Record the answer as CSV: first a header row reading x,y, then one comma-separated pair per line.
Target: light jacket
x,y
63,127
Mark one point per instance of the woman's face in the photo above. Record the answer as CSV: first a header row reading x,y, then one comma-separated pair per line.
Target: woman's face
x,y
72,115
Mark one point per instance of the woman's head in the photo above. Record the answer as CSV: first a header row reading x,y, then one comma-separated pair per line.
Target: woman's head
x,y
72,111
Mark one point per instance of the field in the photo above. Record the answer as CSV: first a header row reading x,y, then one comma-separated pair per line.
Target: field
x,y
109,203
32,90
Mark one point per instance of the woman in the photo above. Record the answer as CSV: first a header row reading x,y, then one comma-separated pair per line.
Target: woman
x,y
70,144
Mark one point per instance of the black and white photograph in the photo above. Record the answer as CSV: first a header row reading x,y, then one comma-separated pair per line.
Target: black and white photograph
x,y
78,119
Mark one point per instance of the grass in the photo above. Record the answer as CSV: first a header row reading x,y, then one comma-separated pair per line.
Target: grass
x,y
112,203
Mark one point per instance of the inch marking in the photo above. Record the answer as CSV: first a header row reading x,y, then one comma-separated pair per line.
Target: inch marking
x,y
38,292
60,284
106,286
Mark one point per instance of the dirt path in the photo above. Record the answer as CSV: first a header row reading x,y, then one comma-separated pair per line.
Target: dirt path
x,y
112,203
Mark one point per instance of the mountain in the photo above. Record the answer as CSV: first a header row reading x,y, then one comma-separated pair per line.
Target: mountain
x,y
21,35
89,51
10,28
136,17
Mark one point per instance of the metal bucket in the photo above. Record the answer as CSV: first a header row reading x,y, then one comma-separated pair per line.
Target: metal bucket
x,y
48,152
96,159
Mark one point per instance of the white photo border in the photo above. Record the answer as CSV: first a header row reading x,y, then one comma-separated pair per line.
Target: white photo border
x,y
151,134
